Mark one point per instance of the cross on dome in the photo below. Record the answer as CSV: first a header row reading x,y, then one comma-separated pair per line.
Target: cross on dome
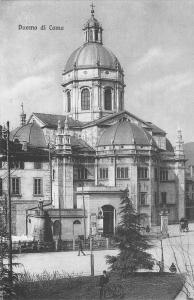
x,y
92,10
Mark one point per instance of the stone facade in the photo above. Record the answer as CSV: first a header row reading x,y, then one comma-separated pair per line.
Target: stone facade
x,y
96,151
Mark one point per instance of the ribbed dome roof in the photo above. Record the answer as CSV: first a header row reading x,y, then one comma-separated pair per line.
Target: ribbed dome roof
x,y
125,133
30,133
92,55
92,22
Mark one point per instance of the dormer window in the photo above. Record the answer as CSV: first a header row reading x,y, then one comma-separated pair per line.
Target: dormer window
x,y
85,99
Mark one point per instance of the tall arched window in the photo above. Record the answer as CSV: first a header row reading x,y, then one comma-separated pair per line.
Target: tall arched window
x,y
56,228
91,35
68,101
85,99
108,99
120,101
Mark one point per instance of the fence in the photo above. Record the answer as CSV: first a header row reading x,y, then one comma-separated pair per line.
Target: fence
x,y
63,245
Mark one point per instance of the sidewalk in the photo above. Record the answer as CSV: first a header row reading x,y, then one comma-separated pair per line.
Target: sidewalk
x,y
173,230
182,295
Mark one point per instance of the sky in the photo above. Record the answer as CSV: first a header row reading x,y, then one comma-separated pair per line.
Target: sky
x,y
153,40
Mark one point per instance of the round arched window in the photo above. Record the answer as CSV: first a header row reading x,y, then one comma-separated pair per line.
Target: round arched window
x,y
108,99
85,99
76,222
68,101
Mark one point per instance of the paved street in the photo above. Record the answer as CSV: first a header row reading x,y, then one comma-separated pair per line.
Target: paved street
x,y
70,263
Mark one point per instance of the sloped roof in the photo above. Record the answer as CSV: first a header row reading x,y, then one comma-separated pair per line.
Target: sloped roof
x,y
169,146
155,129
31,133
51,120
32,153
102,121
79,145
189,153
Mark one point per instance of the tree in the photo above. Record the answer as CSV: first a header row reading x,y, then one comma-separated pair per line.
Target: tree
x,y
131,242
6,288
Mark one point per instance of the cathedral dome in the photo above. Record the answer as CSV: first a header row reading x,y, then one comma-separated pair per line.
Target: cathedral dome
x,y
92,55
31,133
125,133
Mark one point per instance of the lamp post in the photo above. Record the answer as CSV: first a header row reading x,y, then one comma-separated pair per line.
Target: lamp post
x,y
84,214
91,255
164,221
7,133
164,232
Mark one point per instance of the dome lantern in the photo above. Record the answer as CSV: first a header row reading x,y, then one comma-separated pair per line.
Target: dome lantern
x,y
93,29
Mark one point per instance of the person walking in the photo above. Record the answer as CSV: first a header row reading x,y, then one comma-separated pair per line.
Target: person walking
x,y
104,279
80,247
19,247
173,268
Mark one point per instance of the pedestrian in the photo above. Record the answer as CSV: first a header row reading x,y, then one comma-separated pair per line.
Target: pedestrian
x,y
147,229
19,247
104,279
80,247
38,245
173,268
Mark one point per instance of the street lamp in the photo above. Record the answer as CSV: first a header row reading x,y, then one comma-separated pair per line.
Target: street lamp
x,y
164,232
6,133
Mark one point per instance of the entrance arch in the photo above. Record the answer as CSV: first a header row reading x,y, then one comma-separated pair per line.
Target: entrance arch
x,y
108,219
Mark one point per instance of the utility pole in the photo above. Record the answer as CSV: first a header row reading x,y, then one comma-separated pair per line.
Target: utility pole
x,y
91,256
8,227
162,256
84,215
9,206
51,175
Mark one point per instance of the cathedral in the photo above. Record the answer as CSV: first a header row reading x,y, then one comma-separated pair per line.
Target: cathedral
x,y
69,171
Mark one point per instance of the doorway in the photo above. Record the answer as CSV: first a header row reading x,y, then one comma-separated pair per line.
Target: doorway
x,y
108,219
